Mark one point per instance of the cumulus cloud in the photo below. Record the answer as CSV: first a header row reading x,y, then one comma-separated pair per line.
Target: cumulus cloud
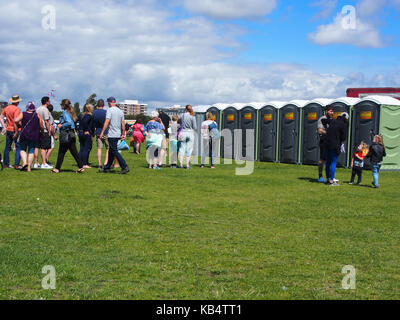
x,y
231,9
364,35
326,8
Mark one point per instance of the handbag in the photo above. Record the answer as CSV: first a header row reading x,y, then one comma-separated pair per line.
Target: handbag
x,y
67,136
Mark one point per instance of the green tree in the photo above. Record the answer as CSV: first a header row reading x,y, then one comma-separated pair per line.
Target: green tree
x,y
57,114
76,108
92,99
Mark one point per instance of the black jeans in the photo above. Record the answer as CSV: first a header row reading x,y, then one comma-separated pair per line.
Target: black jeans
x,y
64,147
356,171
86,146
113,153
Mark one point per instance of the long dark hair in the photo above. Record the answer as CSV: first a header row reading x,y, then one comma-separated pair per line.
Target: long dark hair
x,y
67,106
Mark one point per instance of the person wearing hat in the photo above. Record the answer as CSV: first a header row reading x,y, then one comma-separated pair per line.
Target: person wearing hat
x,y
31,128
11,112
115,123
336,135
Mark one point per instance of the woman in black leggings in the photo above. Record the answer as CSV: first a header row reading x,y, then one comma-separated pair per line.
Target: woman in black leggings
x,y
67,128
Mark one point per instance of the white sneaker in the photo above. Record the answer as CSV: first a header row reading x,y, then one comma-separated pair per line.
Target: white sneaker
x,y
36,166
46,167
335,180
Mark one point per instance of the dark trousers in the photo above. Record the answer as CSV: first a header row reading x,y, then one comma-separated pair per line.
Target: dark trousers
x,y
7,149
207,150
85,148
113,153
356,171
64,147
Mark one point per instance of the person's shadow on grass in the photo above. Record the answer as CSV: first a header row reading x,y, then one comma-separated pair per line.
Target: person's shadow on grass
x,y
311,180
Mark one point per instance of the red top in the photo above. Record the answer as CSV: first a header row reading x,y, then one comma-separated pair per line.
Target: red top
x,y
360,155
11,112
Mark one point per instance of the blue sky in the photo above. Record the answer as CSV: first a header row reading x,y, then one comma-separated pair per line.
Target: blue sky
x,y
197,52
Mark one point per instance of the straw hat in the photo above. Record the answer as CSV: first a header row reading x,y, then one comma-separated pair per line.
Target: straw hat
x,y
15,99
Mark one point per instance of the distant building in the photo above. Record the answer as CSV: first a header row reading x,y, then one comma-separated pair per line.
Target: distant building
x,y
133,107
174,110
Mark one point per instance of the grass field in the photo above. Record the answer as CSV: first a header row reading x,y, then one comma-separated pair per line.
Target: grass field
x,y
199,234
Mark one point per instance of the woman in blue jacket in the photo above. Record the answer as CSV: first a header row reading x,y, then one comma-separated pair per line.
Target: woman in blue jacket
x,y
67,136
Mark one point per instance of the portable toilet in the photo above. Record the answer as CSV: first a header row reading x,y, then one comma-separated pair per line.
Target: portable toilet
x,y
200,117
289,131
268,131
248,120
216,112
312,112
378,115
230,122
345,104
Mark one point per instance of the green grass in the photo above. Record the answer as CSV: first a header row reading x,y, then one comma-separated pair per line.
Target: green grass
x,y
200,234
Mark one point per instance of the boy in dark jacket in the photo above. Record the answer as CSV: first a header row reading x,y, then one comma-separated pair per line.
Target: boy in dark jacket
x,y
357,163
376,153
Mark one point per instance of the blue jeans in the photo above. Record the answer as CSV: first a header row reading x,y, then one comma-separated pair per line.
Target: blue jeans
x,y
113,153
331,162
7,149
85,148
375,174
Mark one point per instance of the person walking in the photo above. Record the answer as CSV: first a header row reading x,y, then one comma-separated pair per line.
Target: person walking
x,y
85,134
67,136
115,123
45,139
99,118
323,125
186,136
31,127
207,141
52,133
377,152
336,135
165,120
138,137
11,112
155,137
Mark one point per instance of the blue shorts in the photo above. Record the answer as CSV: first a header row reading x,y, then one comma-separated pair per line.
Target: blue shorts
x,y
28,144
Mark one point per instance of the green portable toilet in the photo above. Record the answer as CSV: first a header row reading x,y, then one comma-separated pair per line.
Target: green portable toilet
x,y
345,104
379,115
268,131
289,131
200,117
312,112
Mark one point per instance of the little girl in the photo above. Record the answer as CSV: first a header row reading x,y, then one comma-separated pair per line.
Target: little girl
x,y
376,153
173,141
357,163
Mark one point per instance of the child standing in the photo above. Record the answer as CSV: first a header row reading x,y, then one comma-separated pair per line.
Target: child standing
x,y
173,141
207,139
357,163
376,154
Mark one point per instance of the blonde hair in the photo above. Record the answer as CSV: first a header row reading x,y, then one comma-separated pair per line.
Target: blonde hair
x,y
209,116
67,106
379,138
190,110
88,109
175,118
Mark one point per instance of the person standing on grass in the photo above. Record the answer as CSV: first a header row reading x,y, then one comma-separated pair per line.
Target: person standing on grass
x,y
11,112
207,141
85,134
335,137
186,136
138,137
155,137
99,118
67,136
31,126
357,163
45,140
115,123
173,141
53,133
323,125
376,154
165,119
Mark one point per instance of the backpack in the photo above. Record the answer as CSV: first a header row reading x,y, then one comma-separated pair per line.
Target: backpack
x,y
214,132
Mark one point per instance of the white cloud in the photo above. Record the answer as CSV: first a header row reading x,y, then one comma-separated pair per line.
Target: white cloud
x,y
366,8
364,35
231,9
326,8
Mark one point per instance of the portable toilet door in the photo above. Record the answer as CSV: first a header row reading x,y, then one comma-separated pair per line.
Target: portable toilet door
x,y
248,121
341,105
312,112
379,115
216,114
268,131
289,131
230,122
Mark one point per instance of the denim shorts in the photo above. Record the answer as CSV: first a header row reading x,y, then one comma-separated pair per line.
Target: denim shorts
x,y
28,144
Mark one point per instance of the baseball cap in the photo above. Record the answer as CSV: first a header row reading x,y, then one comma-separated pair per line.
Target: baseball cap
x,y
111,99
345,115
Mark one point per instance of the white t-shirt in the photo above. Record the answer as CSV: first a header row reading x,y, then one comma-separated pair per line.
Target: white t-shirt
x,y
116,116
